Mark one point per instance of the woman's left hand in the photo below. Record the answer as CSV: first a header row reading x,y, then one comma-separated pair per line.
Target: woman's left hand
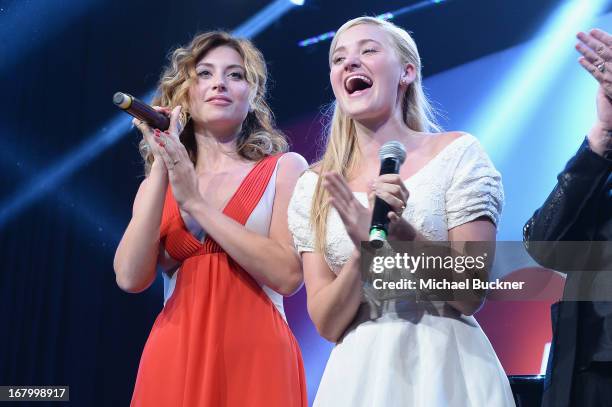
x,y
181,171
391,189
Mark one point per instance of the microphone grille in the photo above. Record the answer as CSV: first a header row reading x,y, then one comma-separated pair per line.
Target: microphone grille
x,y
392,149
122,100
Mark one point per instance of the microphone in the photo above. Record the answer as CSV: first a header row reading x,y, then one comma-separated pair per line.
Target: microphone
x,y
392,155
141,111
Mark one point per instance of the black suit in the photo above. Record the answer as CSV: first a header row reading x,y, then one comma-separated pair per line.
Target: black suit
x,y
579,209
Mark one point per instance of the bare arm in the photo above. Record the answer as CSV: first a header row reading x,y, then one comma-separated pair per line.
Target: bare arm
x,y
271,260
332,300
136,256
139,249
479,230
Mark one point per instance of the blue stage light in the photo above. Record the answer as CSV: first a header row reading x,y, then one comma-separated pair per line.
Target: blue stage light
x,y
50,177
264,18
98,225
115,129
384,16
523,81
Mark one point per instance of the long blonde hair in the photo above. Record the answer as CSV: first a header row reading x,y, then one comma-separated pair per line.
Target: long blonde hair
x,y
342,150
258,137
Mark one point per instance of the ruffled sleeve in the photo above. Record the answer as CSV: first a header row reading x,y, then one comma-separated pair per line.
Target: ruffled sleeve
x,y
299,212
475,190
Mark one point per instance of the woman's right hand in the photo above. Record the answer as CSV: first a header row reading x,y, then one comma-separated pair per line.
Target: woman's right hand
x,y
148,134
354,215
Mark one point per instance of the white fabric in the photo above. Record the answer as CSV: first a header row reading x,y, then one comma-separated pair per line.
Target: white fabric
x,y
402,353
258,222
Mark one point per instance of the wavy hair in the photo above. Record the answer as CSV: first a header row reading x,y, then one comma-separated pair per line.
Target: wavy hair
x,y
342,150
258,136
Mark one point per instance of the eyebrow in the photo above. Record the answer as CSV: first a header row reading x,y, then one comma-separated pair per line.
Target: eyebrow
x,y
207,64
360,42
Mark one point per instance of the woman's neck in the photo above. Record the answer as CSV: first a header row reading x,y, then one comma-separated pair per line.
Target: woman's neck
x,y
216,151
372,135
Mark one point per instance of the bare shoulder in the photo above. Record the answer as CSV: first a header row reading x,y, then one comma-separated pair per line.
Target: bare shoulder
x,y
290,167
444,139
291,162
441,140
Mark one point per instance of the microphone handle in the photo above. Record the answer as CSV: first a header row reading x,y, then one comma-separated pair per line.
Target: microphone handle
x,y
141,111
380,222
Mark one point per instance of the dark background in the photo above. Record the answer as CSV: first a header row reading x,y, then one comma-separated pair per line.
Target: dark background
x,y
63,319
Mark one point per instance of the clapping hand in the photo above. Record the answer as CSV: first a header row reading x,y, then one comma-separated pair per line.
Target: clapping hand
x,y
596,50
354,215
357,218
181,171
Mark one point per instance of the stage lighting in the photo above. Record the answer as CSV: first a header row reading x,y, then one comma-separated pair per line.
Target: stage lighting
x,y
114,130
262,20
384,16
522,85
298,2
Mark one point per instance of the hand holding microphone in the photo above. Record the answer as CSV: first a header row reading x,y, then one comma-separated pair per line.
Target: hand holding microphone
x,y
142,111
392,194
388,198
161,129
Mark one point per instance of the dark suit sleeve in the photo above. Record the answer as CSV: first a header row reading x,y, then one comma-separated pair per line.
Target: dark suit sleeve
x,y
565,215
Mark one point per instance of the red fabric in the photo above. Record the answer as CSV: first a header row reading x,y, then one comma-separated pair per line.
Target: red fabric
x,y
219,341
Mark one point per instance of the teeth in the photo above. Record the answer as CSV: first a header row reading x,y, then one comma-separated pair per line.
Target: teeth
x,y
364,78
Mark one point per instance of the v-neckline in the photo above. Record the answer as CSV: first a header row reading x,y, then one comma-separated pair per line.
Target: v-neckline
x,y
427,164
231,200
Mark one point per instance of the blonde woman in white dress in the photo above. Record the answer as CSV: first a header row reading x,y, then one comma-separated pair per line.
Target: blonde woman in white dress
x,y
395,352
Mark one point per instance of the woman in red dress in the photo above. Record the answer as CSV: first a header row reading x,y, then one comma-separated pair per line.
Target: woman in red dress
x,y
212,213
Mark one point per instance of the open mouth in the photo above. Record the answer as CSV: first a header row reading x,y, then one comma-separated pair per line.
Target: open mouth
x,y
357,83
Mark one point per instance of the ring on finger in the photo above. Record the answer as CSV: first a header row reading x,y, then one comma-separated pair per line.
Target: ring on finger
x,y
400,211
601,67
174,164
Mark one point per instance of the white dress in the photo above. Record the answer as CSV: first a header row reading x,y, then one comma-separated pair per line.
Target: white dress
x,y
403,353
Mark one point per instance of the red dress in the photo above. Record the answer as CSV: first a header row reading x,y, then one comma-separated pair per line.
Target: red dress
x,y
219,341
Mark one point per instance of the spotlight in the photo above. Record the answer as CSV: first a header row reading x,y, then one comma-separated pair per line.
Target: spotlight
x,y
48,178
502,117
384,16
